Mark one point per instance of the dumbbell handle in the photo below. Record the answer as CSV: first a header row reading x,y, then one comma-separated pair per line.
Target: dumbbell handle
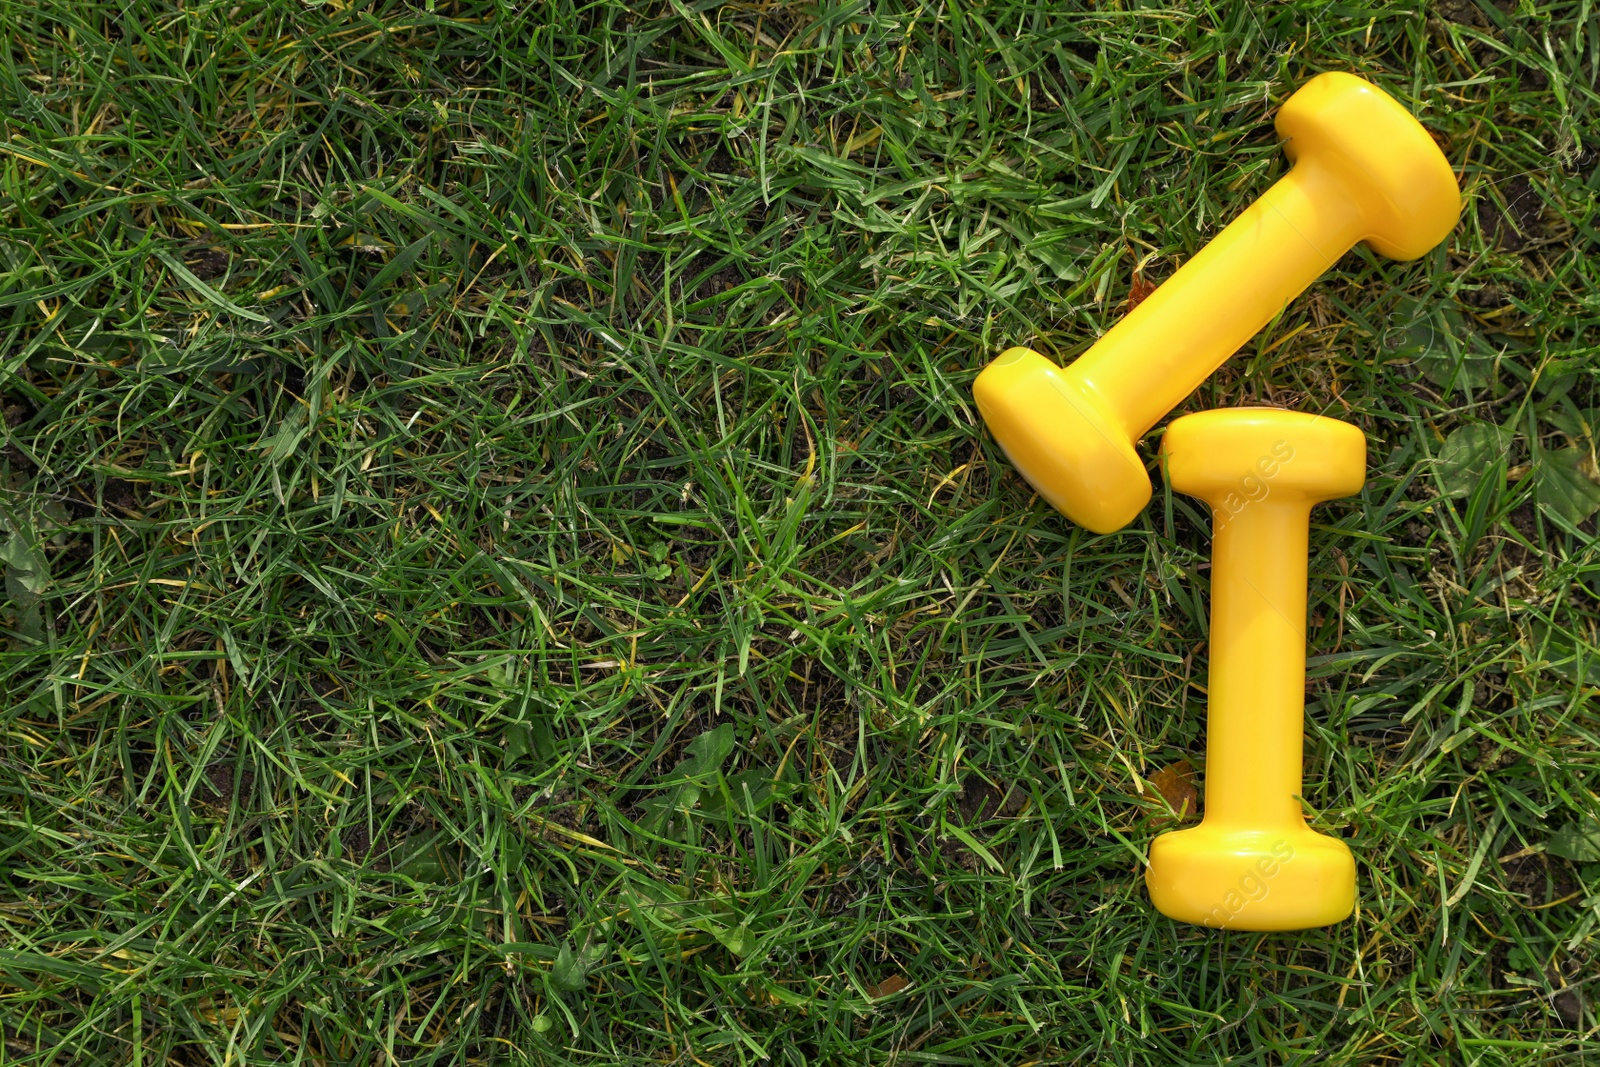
x,y
1254,727
1165,347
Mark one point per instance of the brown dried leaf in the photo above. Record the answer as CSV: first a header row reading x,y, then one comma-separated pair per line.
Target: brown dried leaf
x,y
888,987
1139,290
1176,786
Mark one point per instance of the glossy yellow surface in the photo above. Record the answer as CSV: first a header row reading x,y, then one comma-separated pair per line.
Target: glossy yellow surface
x,y
1364,170
1069,443
1252,863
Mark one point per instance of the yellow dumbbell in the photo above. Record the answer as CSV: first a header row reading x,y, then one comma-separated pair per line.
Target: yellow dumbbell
x,y
1364,170
1252,863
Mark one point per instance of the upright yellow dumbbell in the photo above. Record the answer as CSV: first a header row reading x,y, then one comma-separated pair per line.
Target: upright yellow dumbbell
x,y
1252,863
1364,170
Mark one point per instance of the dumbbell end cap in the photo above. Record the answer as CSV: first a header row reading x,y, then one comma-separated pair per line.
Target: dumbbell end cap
x,y
1063,440
1291,454
1383,156
1249,879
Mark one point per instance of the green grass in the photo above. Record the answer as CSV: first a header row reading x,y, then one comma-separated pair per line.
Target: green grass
x,y
503,565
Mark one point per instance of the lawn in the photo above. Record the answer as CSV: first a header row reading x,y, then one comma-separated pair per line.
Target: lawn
x,y
502,564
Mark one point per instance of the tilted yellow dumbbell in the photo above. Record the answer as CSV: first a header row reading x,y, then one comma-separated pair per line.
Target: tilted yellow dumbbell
x,y
1364,170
